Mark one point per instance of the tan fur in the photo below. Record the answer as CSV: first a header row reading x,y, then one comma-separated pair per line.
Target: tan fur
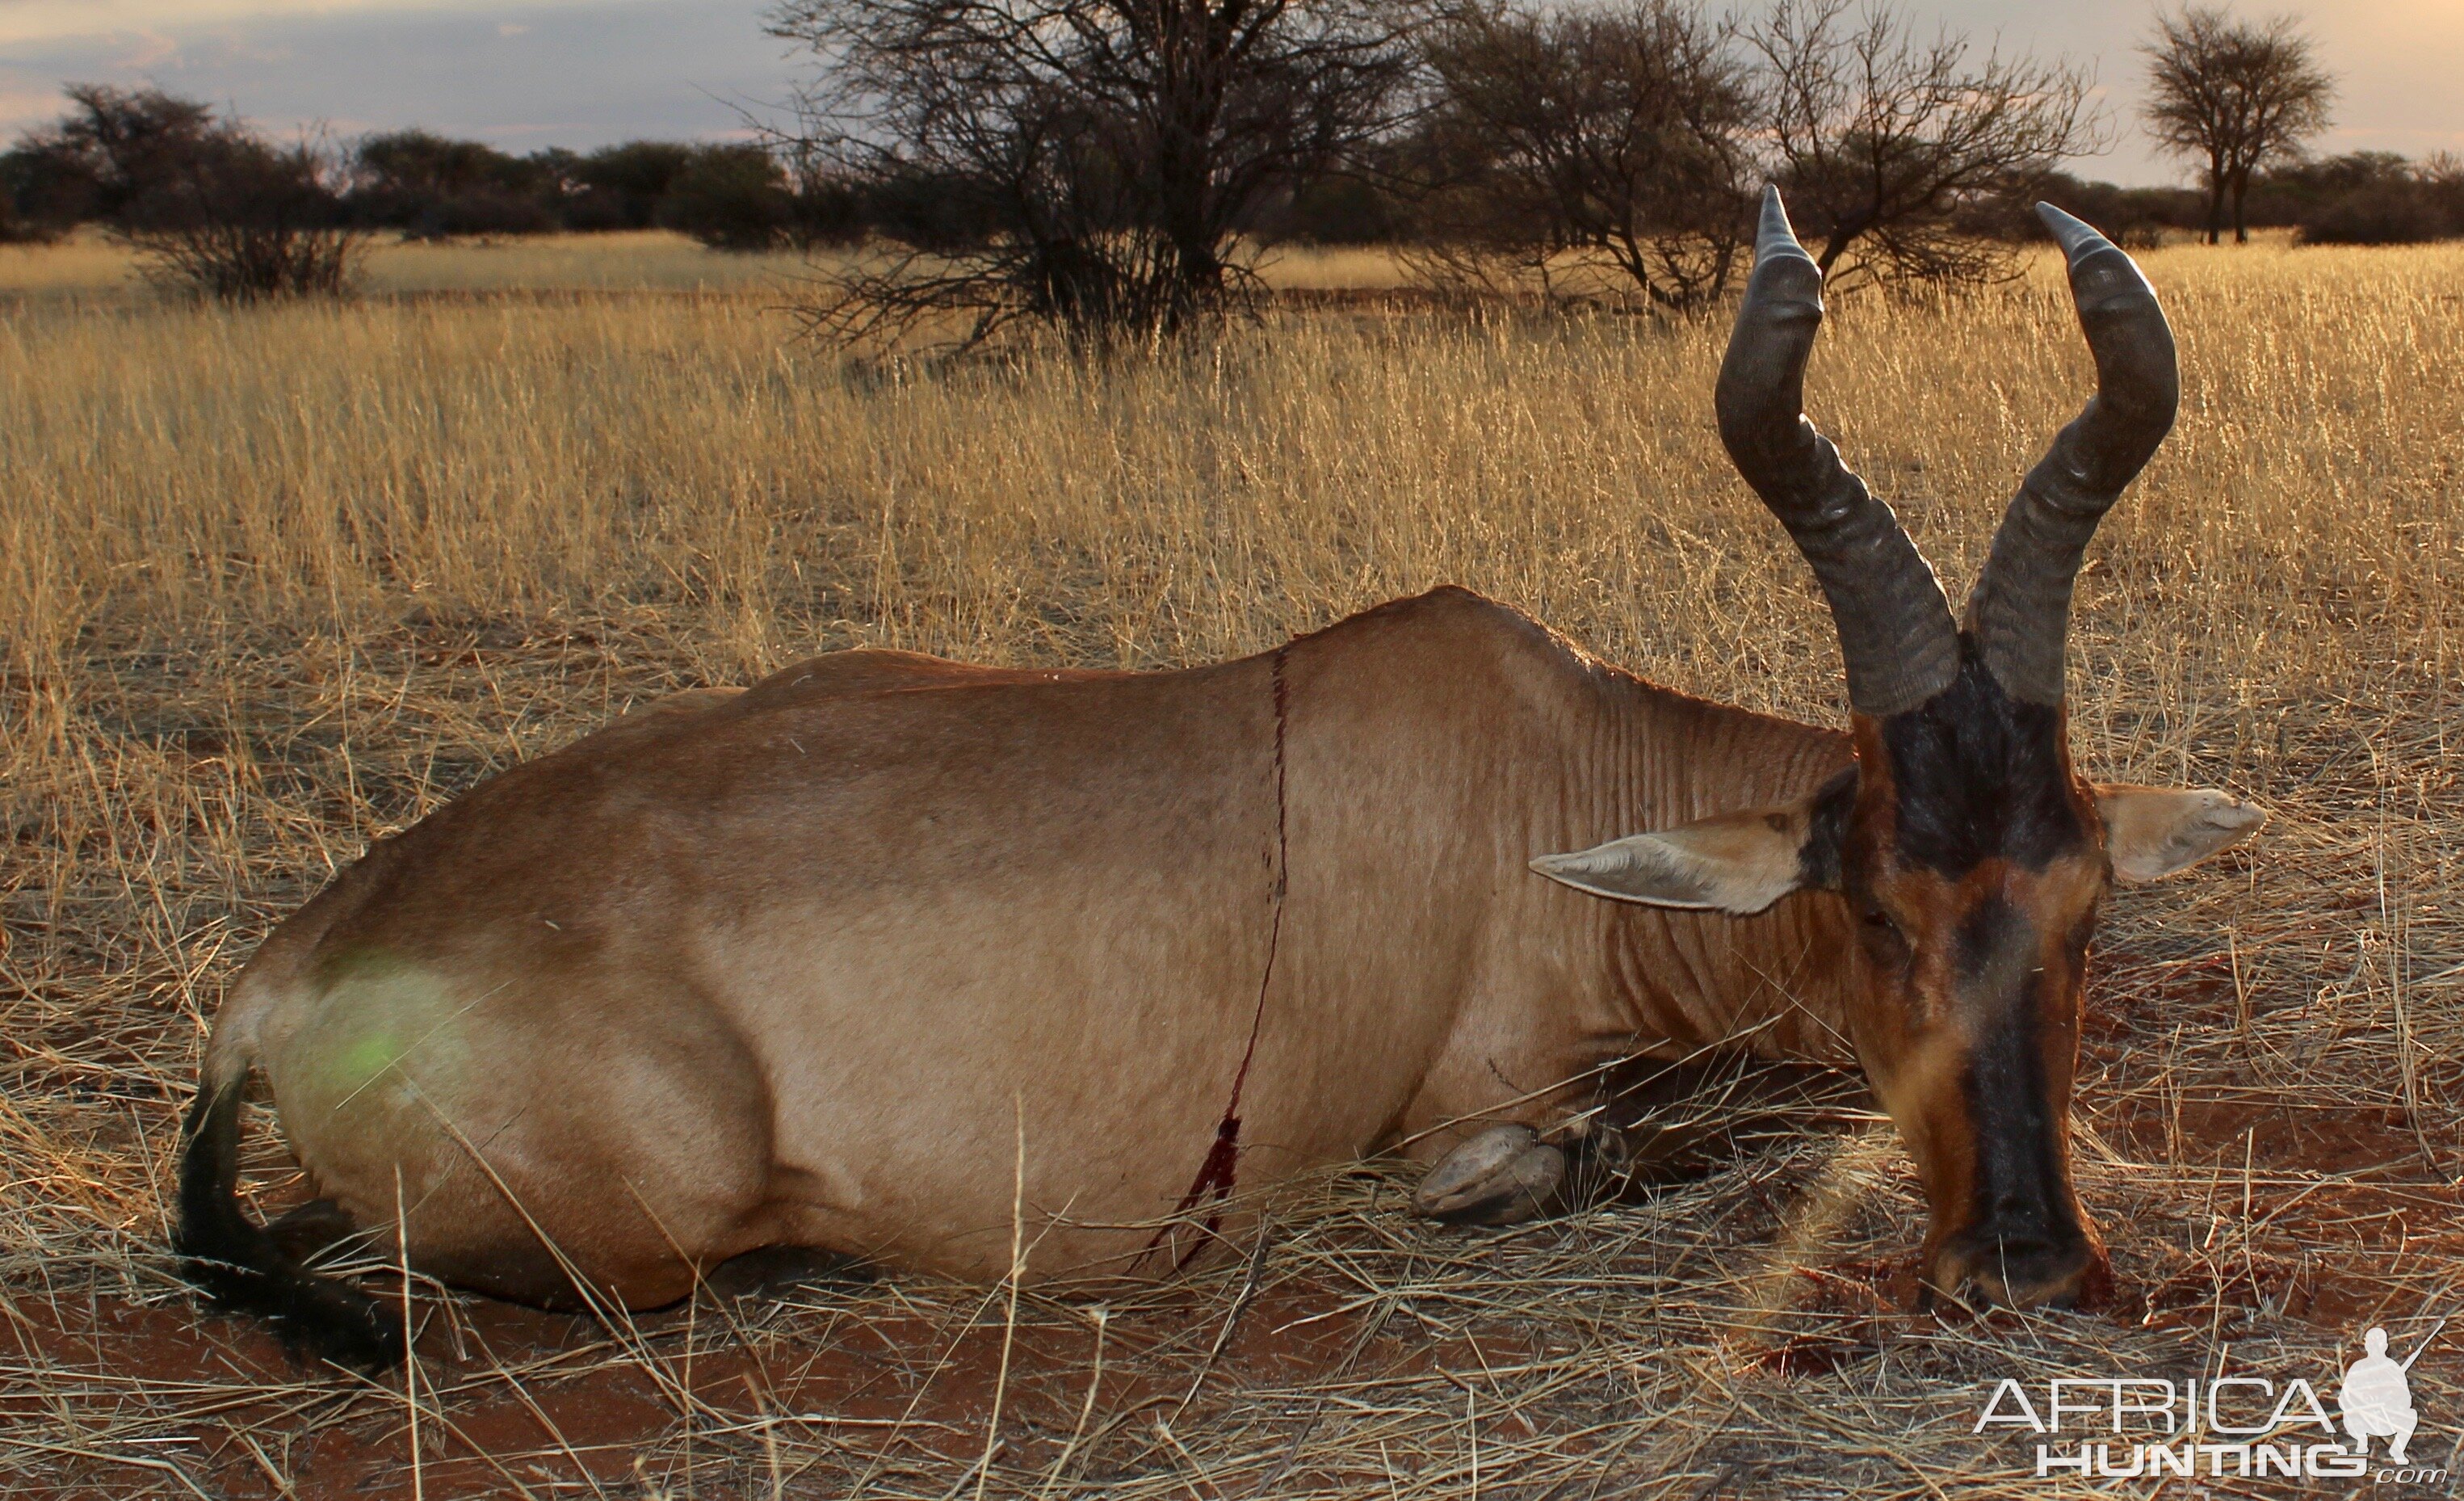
x,y
805,964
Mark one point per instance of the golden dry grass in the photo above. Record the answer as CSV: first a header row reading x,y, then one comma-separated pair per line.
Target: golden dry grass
x,y
90,268
274,583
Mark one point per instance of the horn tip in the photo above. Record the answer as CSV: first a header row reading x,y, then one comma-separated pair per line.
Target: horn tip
x,y
1774,235
2076,237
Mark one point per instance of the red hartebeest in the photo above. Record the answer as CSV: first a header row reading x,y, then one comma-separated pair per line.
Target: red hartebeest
x,y
823,963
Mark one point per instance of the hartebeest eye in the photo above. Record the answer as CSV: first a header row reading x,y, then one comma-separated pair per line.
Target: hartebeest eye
x,y
1885,941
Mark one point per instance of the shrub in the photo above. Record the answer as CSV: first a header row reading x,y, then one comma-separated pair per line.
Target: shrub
x,y
2374,198
429,187
2135,217
244,221
2383,214
42,197
620,187
731,198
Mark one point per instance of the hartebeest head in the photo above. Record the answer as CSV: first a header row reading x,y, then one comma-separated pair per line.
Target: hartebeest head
x,y
1971,854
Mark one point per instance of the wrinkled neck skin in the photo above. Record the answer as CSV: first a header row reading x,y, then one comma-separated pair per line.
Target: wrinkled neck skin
x,y
1569,981
1437,746
1775,983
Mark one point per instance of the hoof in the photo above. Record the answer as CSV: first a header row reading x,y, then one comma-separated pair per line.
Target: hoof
x,y
1605,1151
1503,1176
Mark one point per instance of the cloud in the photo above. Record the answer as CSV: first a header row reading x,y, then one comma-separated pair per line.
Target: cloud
x,y
148,50
237,50
512,29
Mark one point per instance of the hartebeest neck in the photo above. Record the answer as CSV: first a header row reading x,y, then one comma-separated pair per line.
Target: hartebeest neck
x,y
1437,745
1775,982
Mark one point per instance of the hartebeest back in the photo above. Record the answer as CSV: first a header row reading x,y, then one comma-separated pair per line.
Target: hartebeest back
x,y
815,963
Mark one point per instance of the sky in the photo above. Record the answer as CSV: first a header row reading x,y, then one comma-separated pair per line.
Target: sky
x,y
585,73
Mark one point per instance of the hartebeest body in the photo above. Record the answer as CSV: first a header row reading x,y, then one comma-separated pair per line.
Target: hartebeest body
x,y
861,956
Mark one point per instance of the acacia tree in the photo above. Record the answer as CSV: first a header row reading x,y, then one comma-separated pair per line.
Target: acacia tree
x,y
2232,96
212,208
1880,136
1572,139
1088,163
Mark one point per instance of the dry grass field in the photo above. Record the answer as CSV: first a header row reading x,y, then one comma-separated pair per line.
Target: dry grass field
x,y
90,268
276,583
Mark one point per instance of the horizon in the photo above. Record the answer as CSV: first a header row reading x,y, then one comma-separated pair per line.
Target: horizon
x,y
582,73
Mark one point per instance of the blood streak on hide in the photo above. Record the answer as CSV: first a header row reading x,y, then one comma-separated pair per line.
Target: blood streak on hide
x,y
1217,1174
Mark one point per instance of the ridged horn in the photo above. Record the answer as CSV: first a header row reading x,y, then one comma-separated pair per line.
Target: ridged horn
x,y
2020,610
1896,635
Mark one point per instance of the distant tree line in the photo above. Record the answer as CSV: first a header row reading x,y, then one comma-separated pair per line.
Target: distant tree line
x,y
1114,165
133,161
2360,198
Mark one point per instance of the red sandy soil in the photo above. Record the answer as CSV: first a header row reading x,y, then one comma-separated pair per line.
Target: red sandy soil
x,y
909,1379
590,1425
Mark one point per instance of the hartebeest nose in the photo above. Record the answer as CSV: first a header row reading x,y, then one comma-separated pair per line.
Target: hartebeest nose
x,y
2021,1261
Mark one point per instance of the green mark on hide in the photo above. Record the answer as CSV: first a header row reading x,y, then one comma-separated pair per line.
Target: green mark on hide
x,y
364,1058
381,1014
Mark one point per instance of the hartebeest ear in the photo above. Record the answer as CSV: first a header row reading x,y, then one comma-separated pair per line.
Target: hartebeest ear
x,y
2151,833
1737,863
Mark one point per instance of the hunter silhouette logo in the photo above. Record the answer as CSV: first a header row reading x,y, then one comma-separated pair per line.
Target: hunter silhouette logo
x,y
2376,1400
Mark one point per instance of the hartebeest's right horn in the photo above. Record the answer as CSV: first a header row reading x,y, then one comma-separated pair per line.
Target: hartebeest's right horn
x,y
1896,635
2020,611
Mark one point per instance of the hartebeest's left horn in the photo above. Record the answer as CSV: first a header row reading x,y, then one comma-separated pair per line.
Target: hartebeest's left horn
x,y
2020,610
1896,635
